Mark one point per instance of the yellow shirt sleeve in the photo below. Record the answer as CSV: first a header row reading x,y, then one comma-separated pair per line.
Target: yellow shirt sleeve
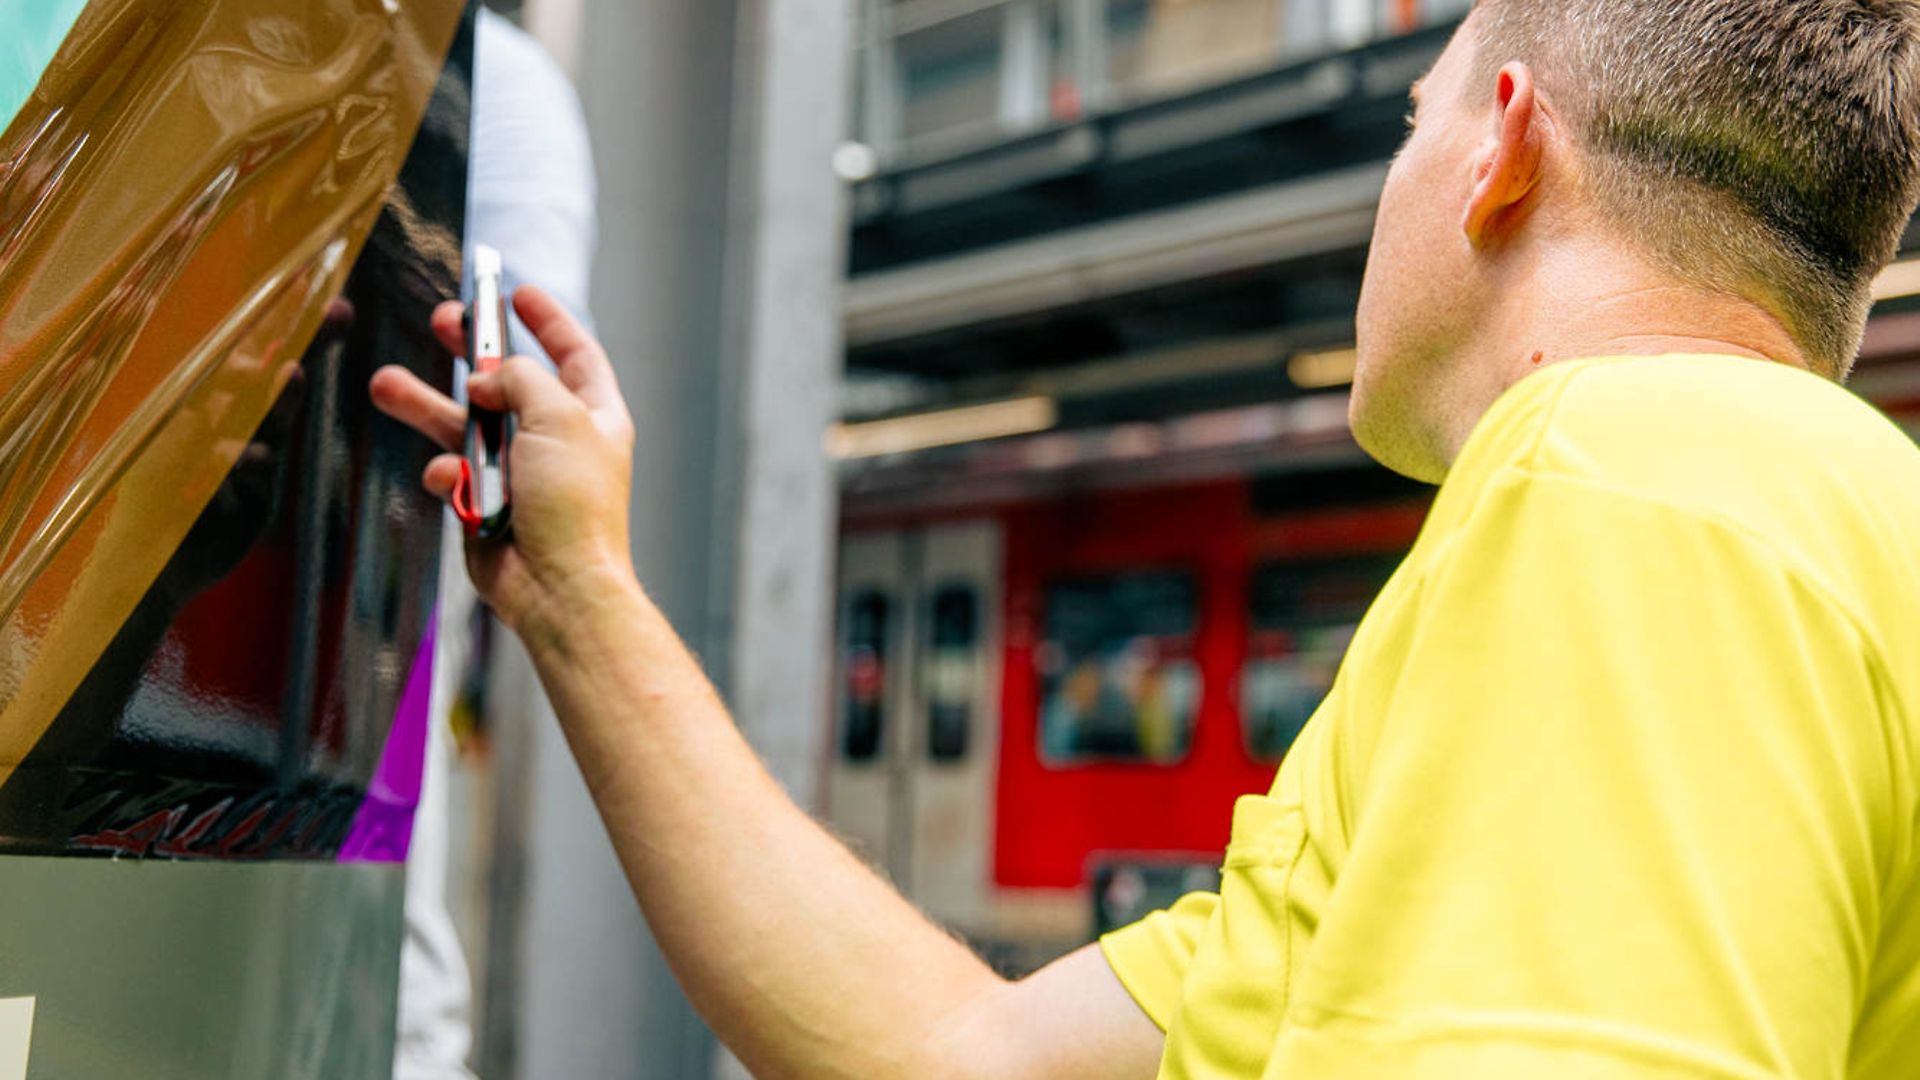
x,y
1629,813
1150,958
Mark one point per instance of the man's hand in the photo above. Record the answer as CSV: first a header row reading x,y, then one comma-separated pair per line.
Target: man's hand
x,y
802,959
570,467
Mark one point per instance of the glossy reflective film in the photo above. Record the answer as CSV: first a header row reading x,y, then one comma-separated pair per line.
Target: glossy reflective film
x,y
215,562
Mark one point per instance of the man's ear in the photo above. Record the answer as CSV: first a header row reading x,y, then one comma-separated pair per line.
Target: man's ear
x,y
1508,167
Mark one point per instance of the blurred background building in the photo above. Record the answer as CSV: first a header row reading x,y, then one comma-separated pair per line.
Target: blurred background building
x,y
990,362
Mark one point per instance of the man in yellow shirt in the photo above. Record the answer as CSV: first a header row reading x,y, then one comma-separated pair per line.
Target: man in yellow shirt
x,y
1619,777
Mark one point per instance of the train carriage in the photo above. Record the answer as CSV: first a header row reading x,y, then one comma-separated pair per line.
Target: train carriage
x,y
1047,703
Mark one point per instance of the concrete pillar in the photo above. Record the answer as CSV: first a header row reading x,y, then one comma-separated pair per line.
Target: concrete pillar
x,y
776,515
716,291
783,366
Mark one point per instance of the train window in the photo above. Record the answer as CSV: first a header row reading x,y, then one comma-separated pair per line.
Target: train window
x,y
864,667
1304,615
1117,668
953,671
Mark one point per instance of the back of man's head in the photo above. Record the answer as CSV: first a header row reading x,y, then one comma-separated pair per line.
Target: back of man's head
x,y
1766,148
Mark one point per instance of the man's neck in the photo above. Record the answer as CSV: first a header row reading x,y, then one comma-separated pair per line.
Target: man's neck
x,y
1596,309
1657,318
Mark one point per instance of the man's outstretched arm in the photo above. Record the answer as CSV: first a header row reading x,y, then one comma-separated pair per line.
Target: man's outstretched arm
x,y
802,959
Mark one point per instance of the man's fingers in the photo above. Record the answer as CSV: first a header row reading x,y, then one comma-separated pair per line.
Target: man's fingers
x,y
583,364
407,398
524,387
448,328
442,474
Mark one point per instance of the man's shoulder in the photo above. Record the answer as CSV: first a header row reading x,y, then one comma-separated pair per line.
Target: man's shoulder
x,y
1792,460
1704,428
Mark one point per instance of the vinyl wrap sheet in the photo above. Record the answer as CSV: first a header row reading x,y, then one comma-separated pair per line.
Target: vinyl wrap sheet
x,y
216,565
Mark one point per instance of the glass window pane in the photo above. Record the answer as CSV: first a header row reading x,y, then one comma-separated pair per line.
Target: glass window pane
x,y
1439,11
953,671
864,667
1067,96
1303,617
1158,47
950,75
1117,668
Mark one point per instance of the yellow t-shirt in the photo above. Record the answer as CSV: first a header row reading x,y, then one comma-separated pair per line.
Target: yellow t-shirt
x,y
1618,778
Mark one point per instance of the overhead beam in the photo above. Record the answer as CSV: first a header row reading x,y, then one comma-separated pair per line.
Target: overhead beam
x,y
1275,224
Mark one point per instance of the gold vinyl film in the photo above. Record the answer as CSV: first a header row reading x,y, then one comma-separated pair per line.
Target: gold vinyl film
x,y
180,199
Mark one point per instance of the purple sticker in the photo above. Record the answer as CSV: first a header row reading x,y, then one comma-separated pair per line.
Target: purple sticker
x,y
384,826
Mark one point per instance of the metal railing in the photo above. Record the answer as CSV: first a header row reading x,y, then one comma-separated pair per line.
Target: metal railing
x,y
938,76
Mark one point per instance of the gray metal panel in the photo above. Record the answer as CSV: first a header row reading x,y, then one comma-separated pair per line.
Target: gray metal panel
x,y
199,971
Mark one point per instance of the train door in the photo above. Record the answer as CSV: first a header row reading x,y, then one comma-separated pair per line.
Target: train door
x,y
862,781
917,732
955,736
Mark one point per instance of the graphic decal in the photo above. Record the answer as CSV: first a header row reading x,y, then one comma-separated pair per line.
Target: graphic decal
x,y
216,566
384,826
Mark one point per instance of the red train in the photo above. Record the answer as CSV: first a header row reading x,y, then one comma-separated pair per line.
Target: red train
x,y
1033,688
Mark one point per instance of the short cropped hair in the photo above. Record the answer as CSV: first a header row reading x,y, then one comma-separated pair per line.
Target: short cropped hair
x,y
1765,148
